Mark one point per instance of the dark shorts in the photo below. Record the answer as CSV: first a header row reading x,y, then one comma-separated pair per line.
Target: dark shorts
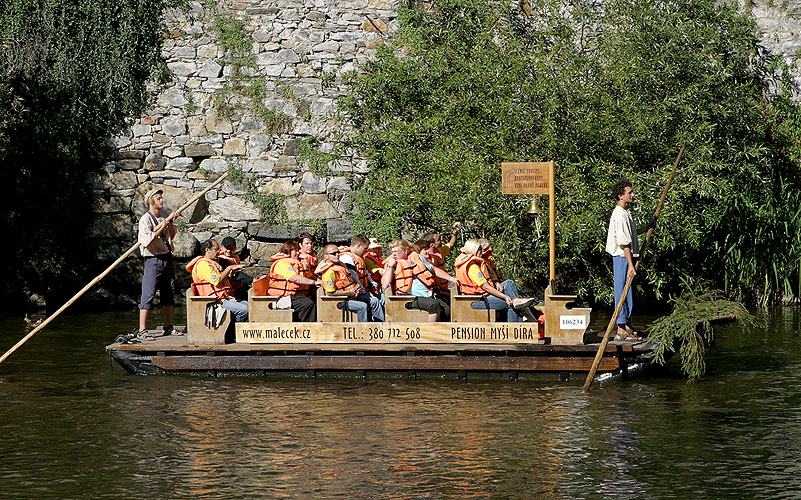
x,y
159,274
431,305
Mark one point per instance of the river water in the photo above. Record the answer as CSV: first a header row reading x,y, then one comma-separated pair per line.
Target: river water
x,y
75,425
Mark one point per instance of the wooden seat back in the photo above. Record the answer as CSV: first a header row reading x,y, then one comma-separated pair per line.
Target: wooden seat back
x,y
197,331
396,312
563,307
462,310
260,305
327,310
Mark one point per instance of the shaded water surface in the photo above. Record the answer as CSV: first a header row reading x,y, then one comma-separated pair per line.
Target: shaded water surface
x,y
73,425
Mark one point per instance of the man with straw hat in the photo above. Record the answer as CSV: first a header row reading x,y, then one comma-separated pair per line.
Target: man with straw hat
x,y
159,271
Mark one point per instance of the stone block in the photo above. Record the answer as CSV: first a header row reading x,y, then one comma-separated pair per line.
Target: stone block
x,y
123,180
155,162
140,130
286,163
218,165
182,68
185,52
173,151
172,126
129,164
259,166
282,185
310,206
261,252
234,146
278,233
171,98
129,155
217,124
339,230
341,184
313,184
199,150
185,245
232,208
258,144
292,147
375,25
197,126
210,69
115,204
182,164
208,51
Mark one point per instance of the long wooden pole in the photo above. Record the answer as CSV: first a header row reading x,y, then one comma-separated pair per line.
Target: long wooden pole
x,y
104,273
629,280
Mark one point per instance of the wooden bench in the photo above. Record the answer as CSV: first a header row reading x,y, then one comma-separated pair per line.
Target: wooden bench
x,y
462,310
261,306
327,310
396,312
197,331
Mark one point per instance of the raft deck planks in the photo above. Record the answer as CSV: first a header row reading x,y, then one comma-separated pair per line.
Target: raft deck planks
x,y
172,354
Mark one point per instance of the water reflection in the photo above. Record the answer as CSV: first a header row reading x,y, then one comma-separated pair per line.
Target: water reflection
x,y
74,426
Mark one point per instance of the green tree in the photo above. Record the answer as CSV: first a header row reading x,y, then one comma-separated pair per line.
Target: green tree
x,y
74,73
606,90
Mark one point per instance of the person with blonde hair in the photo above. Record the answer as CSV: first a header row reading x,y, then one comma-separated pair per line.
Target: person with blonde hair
x,y
407,272
475,278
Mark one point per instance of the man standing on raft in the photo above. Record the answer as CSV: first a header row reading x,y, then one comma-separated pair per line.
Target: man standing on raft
x,y
623,246
159,271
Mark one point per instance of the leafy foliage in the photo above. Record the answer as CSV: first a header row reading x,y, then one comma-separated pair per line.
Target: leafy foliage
x,y
689,325
74,72
607,90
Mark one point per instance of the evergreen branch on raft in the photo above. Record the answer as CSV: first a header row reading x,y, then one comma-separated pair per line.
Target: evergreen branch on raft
x,y
689,327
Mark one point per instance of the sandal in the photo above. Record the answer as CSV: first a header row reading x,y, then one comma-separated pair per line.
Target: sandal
x,y
626,336
143,336
632,331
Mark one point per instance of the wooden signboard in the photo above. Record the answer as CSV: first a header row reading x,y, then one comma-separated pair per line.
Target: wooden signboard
x,y
387,333
526,178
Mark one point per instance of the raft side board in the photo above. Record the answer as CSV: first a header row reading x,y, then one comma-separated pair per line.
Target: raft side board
x,y
590,349
387,333
466,363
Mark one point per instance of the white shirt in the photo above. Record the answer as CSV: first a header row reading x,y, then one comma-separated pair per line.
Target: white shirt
x,y
622,231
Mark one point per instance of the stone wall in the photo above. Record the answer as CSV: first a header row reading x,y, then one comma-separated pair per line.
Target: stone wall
x,y
303,52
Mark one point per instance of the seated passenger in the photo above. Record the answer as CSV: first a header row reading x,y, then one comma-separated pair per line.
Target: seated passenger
x,y
474,278
352,259
307,258
338,281
287,281
240,280
409,273
374,260
211,280
438,253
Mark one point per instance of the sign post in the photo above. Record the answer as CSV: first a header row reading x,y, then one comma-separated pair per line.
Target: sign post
x,y
564,323
534,178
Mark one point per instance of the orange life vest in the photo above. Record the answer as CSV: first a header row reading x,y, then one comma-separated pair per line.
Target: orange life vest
x,y
361,267
204,288
280,286
374,257
343,281
466,285
494,273
439,261
407,270
233,260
